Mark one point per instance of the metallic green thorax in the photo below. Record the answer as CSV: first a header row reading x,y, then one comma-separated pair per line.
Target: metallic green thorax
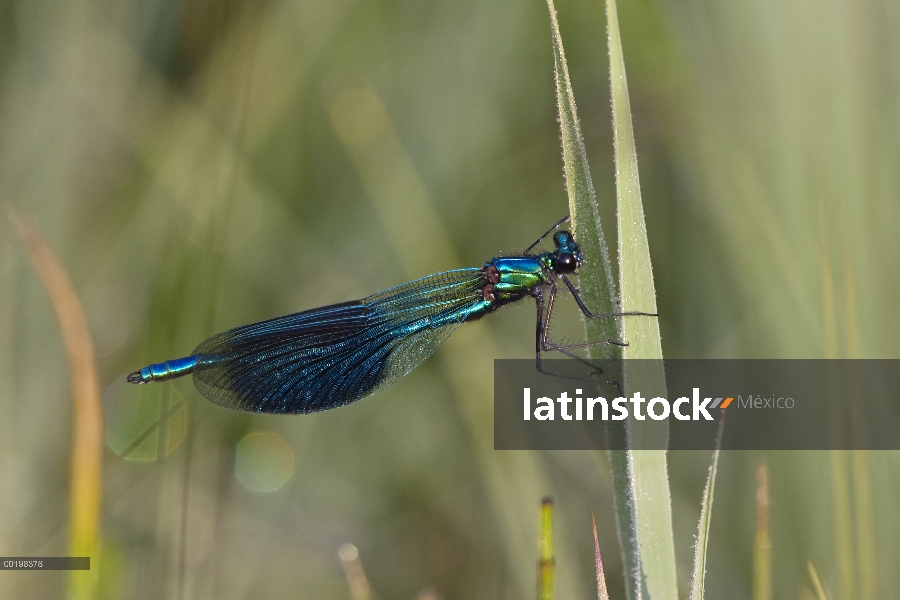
x,y
513,278
516,277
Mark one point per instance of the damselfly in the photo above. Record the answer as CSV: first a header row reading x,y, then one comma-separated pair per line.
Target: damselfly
x,y
334,355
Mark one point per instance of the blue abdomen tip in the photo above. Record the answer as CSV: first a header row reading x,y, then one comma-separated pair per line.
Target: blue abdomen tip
x,y
163,371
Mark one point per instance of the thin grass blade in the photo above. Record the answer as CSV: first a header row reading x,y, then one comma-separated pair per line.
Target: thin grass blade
x,y
698,577
86,467
546,563
762,546
817,583
602,593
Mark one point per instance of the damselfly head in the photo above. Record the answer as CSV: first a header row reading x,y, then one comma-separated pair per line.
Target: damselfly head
x,y
567,257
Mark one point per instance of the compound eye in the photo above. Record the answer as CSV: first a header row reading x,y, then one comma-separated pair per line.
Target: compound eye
x,y
566,262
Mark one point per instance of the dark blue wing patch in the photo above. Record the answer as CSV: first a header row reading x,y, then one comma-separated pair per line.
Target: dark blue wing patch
x,y
333,355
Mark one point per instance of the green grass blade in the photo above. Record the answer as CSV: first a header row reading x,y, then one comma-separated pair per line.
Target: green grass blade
x,y
653,523
598,289
762,545
626,524
636,273
648,470
546,564
698,578
595,278
817,582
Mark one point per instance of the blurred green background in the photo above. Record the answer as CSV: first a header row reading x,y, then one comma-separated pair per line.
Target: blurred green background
x,y
198,165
